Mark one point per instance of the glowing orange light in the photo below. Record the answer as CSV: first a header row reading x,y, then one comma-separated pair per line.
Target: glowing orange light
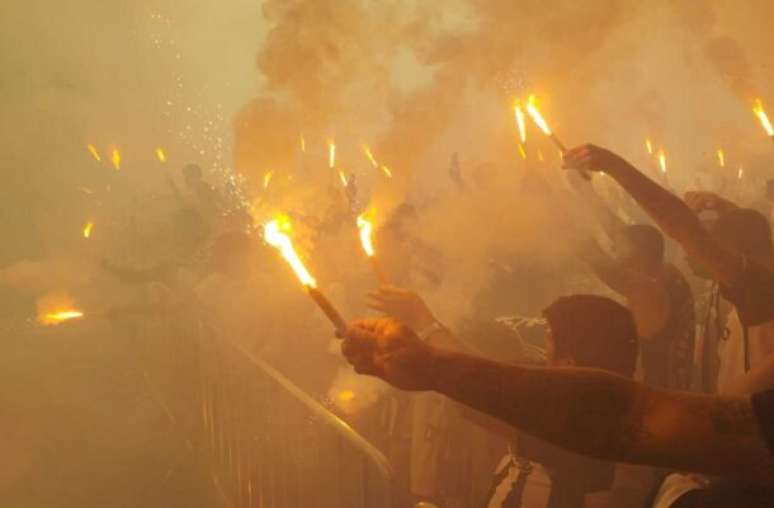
x,y
55,318
366,230
94,153
521,122
763,117
115,158
343,178
274,236
345,395
87,230
302,142
662,160
267,179
331,154
740,173
367,152
536,116
161,155
522,152
649,146
387,171
721,158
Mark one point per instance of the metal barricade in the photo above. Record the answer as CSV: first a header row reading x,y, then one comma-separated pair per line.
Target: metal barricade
x,y
263,440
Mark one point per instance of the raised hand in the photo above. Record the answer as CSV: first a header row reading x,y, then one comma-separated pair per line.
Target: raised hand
x,y
403,305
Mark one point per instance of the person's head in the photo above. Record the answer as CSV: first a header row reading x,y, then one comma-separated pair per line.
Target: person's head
x,y
192,173
770,190
641,247
744,231
591,331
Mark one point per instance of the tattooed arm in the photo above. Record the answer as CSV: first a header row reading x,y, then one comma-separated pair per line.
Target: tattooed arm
x,y
587,411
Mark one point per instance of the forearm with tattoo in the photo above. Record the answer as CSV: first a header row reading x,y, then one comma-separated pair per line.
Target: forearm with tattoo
x,y
610,417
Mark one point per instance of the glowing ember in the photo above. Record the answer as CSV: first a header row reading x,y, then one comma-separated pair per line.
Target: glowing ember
x,y
763,117
522,152
331,154
94,153
115,158
275,237
302,142
54,318
536,116
740,173
366,231
721,158
267,179
343,178
386,171
662,160
649,146
345,395
367,152
161,155
87,230
520,122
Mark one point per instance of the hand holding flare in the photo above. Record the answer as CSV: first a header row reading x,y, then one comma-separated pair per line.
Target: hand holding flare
x,y
279,240
537,117
366,239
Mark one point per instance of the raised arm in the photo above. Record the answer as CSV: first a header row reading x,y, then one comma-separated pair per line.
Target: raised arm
x,y
587,411
671,214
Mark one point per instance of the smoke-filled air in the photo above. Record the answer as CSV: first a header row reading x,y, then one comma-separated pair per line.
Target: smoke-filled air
x,y
345,253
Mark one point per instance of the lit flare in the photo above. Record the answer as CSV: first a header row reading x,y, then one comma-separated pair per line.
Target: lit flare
x,y
58,317
274,236
94,153
387,172
763,117
331,154
662,160
521,122
267,179
161,155
366,231
649,146
115,158
370,155
536,116
721,158
87,230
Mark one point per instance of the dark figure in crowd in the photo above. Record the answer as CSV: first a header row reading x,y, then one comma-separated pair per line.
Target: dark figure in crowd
x,y
660,298
584,331
607,416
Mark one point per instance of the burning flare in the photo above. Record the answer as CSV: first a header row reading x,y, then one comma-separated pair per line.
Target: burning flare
x,y
387,171
662,160
161,155
94,153
343,178
367,152
115,158
521,122
267,179
763,117
522,152
87,230
55,318
302,142
534,113
740,173
272,233
366,233
331,154
649,146
721,158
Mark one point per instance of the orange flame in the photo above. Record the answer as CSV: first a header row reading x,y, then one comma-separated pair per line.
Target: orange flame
x,y
161,155
55,318
649,146
366,230
94,153
763,117
343,178
721,158
740,173
267,179
115,158
387,171
274,236
662,160
534,113
367,152
87,230
520,122
302,142
331,154
522,152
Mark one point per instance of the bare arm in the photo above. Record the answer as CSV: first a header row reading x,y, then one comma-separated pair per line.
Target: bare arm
x,y
588,411
671,214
